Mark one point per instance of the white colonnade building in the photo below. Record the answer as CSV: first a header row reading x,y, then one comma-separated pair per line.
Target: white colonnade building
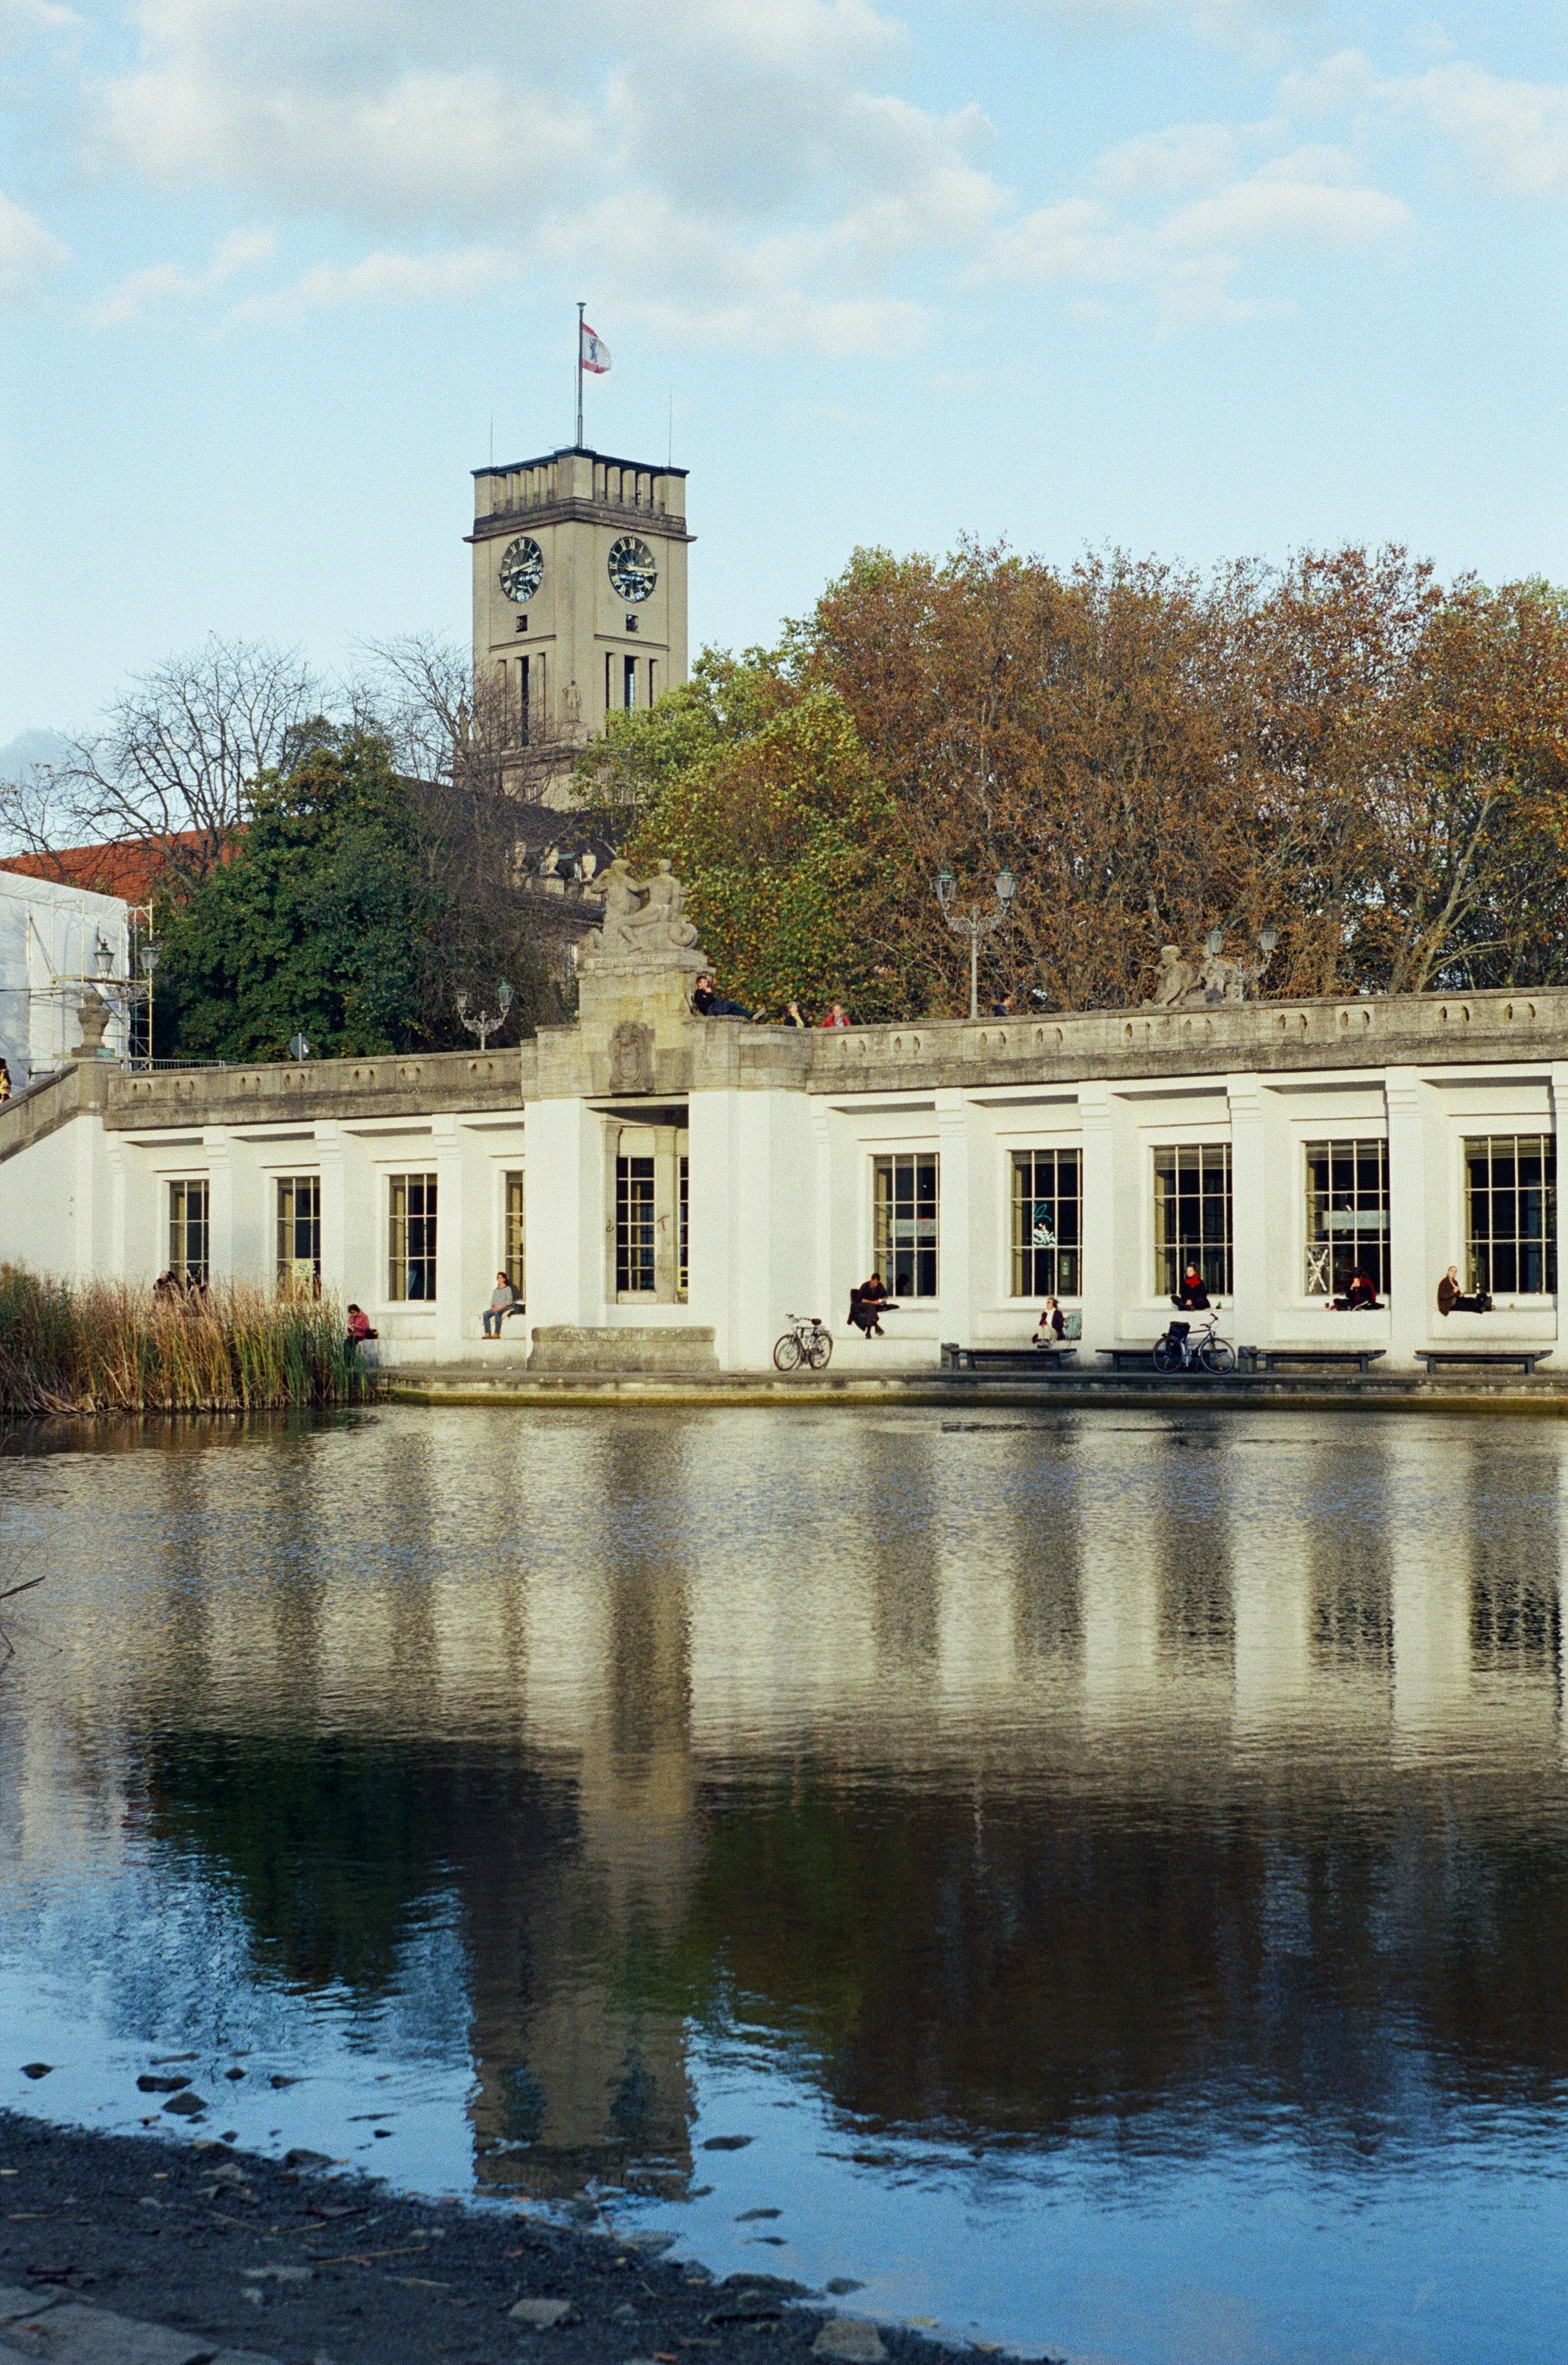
x,y
664,1190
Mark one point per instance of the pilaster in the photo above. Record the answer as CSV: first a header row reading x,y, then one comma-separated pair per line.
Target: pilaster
x,y
1249,1212
454,1282
955,1277
1097,1118
1559,1127
1409,1260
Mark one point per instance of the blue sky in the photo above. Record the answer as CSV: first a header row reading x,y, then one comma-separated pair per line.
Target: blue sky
x,y
1200,278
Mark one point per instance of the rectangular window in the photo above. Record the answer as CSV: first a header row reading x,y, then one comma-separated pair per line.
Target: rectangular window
x,y
684,1187
905,1220
634,1225
630,681
609,661
1347,1216
299,1235
411,1237
1048,1205
1510,1203
650,664
513,1234
523,680
1191,1215
188,1230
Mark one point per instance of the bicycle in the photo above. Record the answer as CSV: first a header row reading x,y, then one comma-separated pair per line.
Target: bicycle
x,y
1202,1347
805,1341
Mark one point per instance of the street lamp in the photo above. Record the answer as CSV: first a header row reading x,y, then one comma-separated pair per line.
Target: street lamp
x,y
103,955
974,923
486,1023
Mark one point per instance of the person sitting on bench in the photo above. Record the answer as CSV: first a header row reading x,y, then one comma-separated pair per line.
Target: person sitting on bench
x,y
1453,1300
866,1307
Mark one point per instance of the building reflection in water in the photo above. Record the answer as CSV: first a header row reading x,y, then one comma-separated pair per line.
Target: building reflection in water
x,y
1012,1776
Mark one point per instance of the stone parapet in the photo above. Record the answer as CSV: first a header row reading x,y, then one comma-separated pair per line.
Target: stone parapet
x,y
419,1084
72,1091
1254,1038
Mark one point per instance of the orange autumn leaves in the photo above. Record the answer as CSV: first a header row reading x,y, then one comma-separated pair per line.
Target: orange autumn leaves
x,y
1346,748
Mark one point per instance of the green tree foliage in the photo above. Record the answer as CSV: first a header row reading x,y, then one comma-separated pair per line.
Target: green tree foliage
x,y
755,785
319,922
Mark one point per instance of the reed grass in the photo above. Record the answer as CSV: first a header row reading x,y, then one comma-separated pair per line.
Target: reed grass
x,y
96,1346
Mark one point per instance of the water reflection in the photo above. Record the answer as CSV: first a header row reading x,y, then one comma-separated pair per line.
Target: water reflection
x,y
1061,1792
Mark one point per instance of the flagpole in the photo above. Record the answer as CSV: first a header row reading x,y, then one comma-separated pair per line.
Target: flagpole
x,y
581,309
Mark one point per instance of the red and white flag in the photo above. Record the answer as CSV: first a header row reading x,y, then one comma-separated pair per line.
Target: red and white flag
x,y
595,353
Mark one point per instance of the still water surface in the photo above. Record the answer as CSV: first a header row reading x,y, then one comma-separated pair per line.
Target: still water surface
x,y
1112,1871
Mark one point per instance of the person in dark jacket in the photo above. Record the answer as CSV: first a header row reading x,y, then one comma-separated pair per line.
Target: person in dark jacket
x,y
866,1305
1453,1300
709,1004
1191,1297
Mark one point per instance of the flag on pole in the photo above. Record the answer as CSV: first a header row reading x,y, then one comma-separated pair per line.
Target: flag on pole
x,y
594,353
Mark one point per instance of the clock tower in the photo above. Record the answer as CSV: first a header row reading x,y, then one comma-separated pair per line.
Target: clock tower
x,y
579,591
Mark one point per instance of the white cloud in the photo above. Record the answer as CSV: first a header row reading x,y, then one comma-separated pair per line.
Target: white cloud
x,y
380,278
165,283
22,21
29,254
1188,259
729,167
1168,163
1512,135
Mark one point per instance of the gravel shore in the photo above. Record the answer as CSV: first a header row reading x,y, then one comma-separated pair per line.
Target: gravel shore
x,y
308,2265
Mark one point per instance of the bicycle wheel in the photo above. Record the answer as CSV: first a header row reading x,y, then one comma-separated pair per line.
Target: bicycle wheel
x,y
819,1350
1217,1355
787,1354
1168,1355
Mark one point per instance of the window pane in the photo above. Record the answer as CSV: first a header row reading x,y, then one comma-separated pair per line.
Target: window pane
x,y
1510,1191
188,1231
634,1225
299,1234
512,1244
1191,1215
1046,1223
411,1237
1347,1216
905,1222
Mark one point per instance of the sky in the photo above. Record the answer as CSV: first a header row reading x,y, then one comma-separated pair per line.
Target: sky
x,y
1201,278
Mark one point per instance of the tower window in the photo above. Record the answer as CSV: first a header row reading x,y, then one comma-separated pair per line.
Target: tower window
x,y
524,671
630,685
609,661
523,623
632,620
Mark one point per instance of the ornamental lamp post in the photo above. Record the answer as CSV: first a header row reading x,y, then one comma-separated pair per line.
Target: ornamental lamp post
x,y
149,963
486,1023
975,922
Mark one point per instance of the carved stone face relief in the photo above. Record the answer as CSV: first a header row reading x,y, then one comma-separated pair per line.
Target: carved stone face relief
x,y
630,1058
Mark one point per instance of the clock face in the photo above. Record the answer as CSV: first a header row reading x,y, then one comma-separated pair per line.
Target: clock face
x,y
632,568
522,569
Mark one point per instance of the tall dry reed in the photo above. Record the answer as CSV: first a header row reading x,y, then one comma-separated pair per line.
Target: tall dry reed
x,y
103,1346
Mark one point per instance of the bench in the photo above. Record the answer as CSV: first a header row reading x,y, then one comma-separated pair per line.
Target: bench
x,y
1010,1359
1266,1358
1121,1357
1506,1358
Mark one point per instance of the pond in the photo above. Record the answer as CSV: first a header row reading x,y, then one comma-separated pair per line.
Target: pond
x,y
1098,1883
